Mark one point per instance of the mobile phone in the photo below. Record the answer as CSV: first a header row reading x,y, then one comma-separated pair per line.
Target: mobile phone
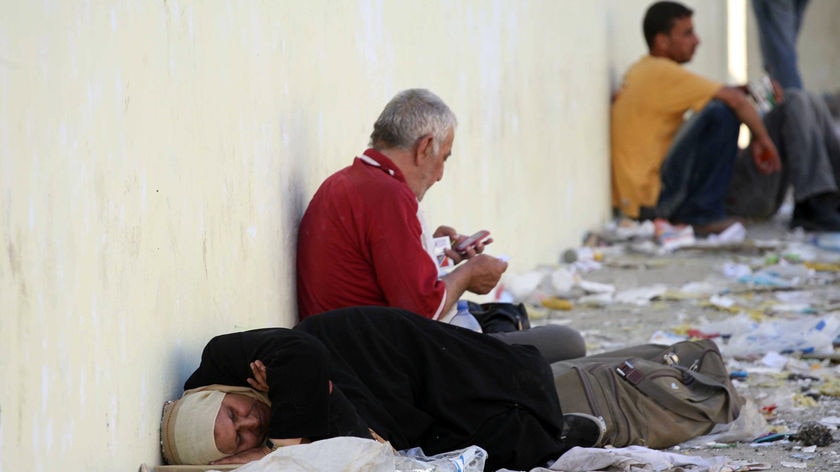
x,y
478,236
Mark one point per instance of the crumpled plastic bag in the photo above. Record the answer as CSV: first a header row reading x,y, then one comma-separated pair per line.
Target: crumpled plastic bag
x,y
804,334
635,458
470,459
749,425
351,454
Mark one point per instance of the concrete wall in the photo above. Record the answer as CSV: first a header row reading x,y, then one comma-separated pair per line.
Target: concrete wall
x,y
155,158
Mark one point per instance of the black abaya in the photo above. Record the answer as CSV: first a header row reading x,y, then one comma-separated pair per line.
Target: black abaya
x,y
416,382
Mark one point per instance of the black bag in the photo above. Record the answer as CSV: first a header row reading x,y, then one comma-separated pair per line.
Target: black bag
x,y
652,395
499,317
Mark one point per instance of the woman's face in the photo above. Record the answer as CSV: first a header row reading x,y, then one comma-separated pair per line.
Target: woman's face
x,y
241,424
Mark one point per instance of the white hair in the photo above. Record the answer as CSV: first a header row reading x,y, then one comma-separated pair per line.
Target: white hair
x,y
410,115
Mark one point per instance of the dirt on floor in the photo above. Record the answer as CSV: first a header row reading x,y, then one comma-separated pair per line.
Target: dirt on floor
x,y
623,289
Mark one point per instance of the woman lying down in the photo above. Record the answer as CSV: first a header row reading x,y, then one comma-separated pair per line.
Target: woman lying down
x,y
372,372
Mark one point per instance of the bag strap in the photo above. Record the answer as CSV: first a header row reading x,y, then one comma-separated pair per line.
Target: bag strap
x,y
653,390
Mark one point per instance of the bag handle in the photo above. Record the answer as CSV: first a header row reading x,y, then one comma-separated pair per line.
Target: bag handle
x,y
653,390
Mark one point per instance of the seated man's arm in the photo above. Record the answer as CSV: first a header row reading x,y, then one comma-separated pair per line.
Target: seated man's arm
x,y
479,275
764,152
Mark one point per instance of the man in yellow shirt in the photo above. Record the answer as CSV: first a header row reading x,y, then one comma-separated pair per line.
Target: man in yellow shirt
x,y
661,165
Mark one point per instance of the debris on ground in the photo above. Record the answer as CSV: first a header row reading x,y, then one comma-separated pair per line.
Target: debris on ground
x,y
769,297
815,434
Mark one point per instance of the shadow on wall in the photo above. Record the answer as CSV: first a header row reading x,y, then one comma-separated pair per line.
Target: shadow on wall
x,y
292,197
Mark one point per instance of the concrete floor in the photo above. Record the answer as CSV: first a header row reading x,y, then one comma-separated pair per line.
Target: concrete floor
x,y
693,287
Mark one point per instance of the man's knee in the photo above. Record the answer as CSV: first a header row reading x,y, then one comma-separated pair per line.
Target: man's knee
x,y
796,102
555,342
721,115
563,341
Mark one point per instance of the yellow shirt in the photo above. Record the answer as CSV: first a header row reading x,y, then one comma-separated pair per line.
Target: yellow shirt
x,y
646,115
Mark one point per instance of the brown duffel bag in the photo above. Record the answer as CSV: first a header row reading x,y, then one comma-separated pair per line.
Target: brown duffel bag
x,y
651,395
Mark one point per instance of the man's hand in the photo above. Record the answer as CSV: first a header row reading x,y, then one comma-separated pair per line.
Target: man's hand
x,y
260,381
485,272
455,238
765,155
778,91
447,231
469,253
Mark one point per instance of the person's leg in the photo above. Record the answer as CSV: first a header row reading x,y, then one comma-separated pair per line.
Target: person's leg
x,y
802,125
753,194
802,129
555,342
828,133
799,13
698,167
778,24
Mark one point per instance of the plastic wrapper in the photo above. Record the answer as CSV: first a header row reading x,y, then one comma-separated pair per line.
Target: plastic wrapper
x,y
470,459
746,337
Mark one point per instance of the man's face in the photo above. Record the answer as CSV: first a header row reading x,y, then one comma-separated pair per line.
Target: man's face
x,y
433,170
681,42
241,424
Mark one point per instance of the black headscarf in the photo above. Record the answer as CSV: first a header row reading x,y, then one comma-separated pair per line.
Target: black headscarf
x,y
298,374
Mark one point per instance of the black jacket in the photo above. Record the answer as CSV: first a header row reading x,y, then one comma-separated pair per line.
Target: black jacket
x,y
416,382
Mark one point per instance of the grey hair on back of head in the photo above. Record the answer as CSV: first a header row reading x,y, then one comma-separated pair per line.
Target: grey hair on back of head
x,y
410,115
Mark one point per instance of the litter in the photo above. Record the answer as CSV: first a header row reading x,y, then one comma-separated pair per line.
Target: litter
x,y
749,337
672,237
735,233
641,295
636,458
772,305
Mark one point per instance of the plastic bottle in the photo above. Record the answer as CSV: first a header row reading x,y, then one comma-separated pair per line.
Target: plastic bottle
x,y
762,93
464,318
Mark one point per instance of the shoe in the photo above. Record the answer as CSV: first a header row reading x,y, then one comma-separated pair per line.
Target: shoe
x,y
581,429
818,213
647,213
715,227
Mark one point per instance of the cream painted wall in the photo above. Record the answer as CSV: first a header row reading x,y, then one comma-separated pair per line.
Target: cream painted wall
x,y
627,43
155,158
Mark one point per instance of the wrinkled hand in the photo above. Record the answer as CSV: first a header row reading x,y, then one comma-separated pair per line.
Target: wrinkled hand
x,y
454,239
244,457
765,156
469,253
485,273
447,231
260,381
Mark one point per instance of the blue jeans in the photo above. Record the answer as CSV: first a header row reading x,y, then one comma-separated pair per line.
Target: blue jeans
x,y
778,24
698,167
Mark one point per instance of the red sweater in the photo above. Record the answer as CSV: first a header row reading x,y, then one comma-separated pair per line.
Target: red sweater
x,y
360,243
